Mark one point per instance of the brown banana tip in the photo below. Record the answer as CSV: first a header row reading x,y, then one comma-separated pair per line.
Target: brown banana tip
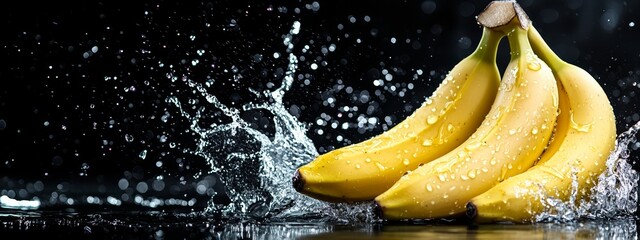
x,y
472,211
298,181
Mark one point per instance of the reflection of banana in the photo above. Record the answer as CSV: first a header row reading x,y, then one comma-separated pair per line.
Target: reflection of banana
x,y
362,171
584,137
513,135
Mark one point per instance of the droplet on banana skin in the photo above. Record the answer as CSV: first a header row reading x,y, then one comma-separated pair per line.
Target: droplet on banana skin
x,y
432,119
472,174
427,142
450,127
534,65
380,166
442,177
473,145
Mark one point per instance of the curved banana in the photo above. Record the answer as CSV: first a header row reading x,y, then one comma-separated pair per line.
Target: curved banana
x,y
449,116
513,135
584,137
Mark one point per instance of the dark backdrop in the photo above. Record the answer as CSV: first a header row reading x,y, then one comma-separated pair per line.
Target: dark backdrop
x,y
84,83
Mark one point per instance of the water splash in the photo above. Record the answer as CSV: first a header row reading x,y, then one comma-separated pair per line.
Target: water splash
x,y
614,196
256,168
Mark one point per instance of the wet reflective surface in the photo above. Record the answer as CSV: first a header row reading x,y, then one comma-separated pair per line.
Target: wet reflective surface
x,y
184,225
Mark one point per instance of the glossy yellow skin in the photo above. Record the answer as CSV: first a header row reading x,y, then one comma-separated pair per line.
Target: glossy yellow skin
x,y
456,108
584,138
510,139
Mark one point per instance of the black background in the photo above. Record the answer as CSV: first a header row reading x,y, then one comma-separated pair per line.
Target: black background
x,y
65,110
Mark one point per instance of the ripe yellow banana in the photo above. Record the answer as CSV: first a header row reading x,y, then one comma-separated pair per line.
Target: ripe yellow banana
x,y
450,115
510,139
583,140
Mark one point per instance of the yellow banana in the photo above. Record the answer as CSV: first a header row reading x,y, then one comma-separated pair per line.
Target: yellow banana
x,y
584,138
510,139
450,115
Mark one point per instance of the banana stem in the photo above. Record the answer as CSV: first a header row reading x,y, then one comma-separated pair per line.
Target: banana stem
x,y
518,42
488,47
543,50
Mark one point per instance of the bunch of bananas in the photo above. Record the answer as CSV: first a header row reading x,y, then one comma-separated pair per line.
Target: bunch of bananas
x,y
493,149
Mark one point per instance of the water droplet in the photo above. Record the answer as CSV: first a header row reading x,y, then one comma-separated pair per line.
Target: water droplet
x,y
428,101
503,173
534,131
368,160
442,177
472,174
445,196
380,166
406,162
143,154
429,188
357,166
512,131
128,137
579,127
450,127
534,65
493,161
431,119
473,145
427,142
